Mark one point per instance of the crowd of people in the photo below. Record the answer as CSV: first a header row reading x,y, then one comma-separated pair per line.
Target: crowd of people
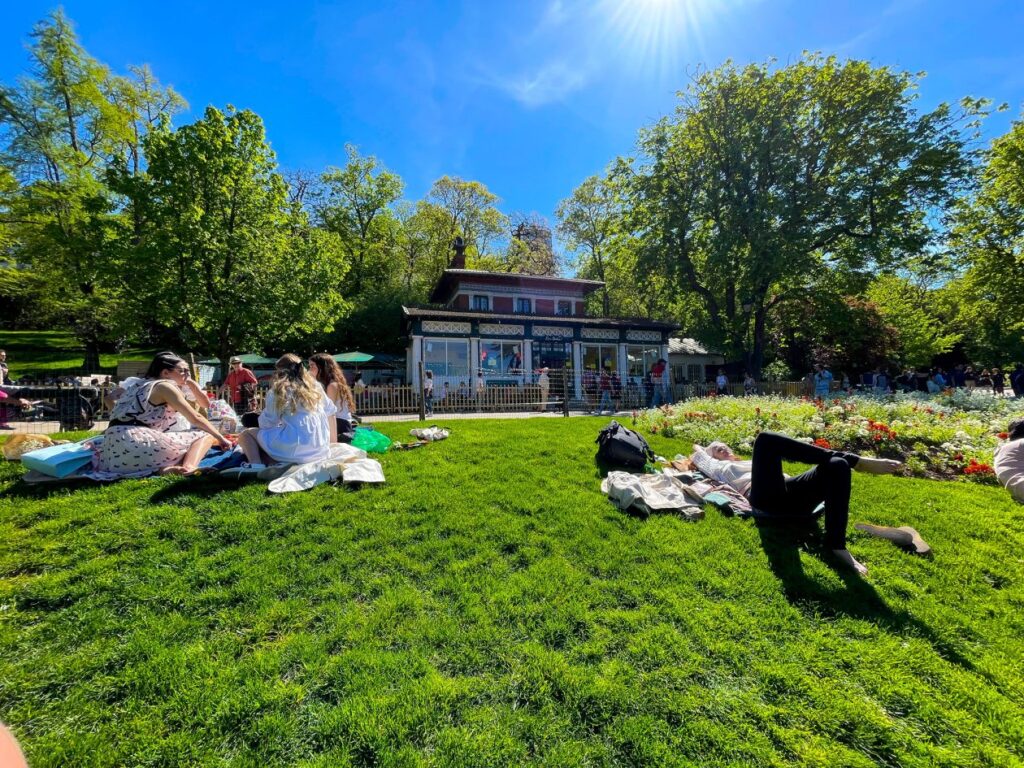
x,y
157,421
882,381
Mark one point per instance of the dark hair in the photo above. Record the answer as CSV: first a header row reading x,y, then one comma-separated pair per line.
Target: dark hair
x,y
162,361
328,372
1016,429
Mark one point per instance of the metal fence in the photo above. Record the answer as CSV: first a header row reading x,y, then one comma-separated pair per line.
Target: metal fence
x,y
49,409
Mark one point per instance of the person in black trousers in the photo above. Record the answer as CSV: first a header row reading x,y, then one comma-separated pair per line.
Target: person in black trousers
x,y
763,482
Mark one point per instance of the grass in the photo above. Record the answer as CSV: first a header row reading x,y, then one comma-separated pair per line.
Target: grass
x,y
55,352
488,607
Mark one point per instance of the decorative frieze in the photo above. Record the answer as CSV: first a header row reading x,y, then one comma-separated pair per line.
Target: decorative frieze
x,y
446,326
552,330
603,334
497,329
654,336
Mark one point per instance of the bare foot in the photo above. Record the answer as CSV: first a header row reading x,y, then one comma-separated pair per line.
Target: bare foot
x,y
177,470
873,466
848,560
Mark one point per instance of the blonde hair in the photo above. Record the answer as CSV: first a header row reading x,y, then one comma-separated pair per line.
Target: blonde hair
x,y
293,386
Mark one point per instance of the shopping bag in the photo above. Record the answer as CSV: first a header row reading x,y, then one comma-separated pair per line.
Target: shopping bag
x,y
58,460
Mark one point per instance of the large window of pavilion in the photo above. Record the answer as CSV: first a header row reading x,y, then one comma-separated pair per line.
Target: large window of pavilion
x,y
598,357
641,359
447,358
501,358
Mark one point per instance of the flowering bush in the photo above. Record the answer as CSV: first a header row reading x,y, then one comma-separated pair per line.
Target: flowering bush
x,y
953,434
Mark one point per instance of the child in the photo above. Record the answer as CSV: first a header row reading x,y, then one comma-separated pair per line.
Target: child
x,y
296,425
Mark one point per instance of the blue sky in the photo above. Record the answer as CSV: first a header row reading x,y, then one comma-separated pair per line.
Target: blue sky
x,y
529,97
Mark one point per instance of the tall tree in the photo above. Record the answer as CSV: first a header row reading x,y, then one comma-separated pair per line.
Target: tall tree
x,y
224,256
471,212
63,125
910,309
988,238
354,203
768,175
588,221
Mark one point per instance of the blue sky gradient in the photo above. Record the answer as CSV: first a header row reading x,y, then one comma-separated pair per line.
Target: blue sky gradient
x,y
528,97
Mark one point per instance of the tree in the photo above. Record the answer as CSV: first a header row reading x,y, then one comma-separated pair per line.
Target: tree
x,y
62,127
531,251
469,209
354,203
768,176
988,239
588,221
224,257
910,310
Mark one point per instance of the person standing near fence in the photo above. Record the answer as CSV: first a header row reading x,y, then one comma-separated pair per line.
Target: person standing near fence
x,y
822,380
545,387
658,383
428,393
239,387
5,377
722,383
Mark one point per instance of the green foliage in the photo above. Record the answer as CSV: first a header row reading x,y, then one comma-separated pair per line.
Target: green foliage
x,y
449,617
768,176
988,238
221,253
910,309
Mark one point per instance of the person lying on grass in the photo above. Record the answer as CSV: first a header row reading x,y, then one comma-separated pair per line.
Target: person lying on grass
x,y
1009,461
144,434
297,424
762,481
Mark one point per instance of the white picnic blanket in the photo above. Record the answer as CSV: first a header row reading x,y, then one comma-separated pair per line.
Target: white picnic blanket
x,y
652,493
345,461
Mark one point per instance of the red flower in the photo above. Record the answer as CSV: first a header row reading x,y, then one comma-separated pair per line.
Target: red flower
x,y
821,442
1003,435
958,457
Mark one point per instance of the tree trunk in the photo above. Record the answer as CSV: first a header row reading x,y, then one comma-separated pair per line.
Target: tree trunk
x,y
757,353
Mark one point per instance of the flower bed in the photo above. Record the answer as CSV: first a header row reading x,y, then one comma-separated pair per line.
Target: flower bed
x,y
950,435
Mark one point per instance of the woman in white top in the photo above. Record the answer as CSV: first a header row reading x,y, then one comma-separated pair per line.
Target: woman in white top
x,y
762,481
325,370
296,425
1009,461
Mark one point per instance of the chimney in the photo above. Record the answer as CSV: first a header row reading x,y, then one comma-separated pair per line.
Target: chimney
x,y
459,259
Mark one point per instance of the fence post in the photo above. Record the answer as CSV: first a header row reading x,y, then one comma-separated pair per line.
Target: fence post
x,y
565,392
423,404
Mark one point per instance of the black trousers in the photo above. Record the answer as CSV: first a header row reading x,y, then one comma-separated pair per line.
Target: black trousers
x,y
828,481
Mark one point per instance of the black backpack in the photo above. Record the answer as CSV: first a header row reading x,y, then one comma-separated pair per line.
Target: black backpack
x,y
621,447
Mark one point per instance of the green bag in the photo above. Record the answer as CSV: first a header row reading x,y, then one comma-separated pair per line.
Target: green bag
x,y
371,441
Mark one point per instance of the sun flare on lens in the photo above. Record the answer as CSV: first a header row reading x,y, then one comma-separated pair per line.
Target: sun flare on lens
x,y
659,33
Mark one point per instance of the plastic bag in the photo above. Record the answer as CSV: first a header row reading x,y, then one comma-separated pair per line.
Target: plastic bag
x,y
371,441
430,434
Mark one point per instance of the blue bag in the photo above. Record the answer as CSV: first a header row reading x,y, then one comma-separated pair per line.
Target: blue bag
x,y
58,460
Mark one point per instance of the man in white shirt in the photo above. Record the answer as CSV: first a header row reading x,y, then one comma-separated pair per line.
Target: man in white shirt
x,y
763,482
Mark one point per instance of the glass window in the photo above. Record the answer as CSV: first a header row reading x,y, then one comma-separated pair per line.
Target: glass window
x,y
501,358
446,357
598,357
564,308
523,306
641,359
482,303
695,373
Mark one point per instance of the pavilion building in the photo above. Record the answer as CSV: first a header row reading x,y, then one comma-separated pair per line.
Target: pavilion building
x,y
507,326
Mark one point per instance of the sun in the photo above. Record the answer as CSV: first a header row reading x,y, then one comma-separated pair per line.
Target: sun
x,y
659,32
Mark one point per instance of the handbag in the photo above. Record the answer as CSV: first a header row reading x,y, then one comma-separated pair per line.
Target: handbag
x,y
59,460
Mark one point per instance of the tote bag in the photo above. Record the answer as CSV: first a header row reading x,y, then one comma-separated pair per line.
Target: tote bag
x,y
58,460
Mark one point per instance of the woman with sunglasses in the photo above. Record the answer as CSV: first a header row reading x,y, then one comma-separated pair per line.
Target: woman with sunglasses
x,y
144,434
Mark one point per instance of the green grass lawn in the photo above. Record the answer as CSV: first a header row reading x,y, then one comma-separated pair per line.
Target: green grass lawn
x,y
43,352
488,607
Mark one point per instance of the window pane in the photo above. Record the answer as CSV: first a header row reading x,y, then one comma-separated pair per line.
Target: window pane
x,y
564,307
481,303
523,305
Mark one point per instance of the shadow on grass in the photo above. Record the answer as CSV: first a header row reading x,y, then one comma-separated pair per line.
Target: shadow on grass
x,y
858,599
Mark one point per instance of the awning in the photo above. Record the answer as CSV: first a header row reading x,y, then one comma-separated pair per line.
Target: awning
x,y
353,357
246,360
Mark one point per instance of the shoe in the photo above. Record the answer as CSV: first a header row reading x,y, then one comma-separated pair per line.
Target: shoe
x,y
904,536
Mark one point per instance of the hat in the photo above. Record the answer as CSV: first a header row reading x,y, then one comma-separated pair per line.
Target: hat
x,y
234,360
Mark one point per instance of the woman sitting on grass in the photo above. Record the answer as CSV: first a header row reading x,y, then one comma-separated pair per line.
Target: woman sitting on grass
x,y
762,481
144,434
296,425
325,370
